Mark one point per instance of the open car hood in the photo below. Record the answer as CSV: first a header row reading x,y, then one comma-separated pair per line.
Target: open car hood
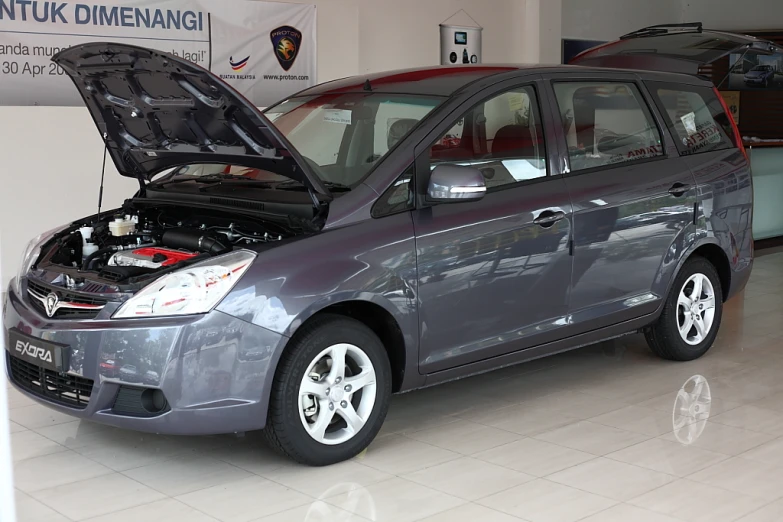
x,y
676,48
157,111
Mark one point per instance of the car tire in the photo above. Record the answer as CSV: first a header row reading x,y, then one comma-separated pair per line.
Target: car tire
x,y
678,334
298,423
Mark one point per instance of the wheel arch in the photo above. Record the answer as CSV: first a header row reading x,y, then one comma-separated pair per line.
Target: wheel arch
x,y
718,258
375,312
712,251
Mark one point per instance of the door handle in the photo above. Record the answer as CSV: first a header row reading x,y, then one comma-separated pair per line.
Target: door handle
x,y
678,189
548,218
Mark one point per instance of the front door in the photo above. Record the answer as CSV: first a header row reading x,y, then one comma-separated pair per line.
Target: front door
x,y
633,201
493,274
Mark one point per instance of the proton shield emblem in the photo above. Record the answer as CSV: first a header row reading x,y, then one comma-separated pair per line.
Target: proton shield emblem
x,y
286,41
51,304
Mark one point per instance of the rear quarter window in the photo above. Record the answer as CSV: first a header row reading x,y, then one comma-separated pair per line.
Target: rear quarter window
x,y
695,117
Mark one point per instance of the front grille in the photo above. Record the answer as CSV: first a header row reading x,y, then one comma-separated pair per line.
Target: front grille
x,y
65,296
64,389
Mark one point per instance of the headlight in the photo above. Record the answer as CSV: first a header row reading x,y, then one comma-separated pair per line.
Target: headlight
x,y
31,253
193,290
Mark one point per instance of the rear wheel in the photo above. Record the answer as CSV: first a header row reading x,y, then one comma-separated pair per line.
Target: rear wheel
x,y
691,316
331,392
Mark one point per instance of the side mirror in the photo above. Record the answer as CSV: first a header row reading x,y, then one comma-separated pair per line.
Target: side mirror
x,y
454,184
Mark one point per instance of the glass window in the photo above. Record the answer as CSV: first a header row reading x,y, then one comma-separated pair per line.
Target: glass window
x,y
695,117
502,137
209,170
397,198
606,124
343,135
393,122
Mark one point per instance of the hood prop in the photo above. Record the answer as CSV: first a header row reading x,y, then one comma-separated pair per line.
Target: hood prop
x,y
103,175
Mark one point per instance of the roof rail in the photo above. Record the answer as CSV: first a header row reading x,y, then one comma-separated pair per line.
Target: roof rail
x,y
654,30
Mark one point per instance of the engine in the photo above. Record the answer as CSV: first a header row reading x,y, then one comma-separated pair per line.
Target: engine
x,y
149,257
134,244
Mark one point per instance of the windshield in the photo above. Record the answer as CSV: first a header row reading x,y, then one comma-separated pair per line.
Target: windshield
x,y
215,172
762,68
343,135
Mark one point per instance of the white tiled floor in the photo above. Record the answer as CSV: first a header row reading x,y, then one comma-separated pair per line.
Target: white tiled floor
x,y
584,436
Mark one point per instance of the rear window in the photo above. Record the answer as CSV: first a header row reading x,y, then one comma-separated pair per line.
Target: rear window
x,y
695,117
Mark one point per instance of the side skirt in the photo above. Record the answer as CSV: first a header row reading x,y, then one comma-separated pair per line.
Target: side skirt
x,y
538,352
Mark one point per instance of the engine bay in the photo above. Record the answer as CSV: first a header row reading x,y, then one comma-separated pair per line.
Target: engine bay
x,y
130,246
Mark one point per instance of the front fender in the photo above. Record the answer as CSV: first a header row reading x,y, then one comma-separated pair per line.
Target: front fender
x,y
373,261
347,296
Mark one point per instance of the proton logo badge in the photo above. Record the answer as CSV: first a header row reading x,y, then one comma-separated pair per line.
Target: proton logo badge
x,y
286,41
51,304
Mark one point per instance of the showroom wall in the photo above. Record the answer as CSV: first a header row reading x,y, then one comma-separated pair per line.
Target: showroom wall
x,y
605,20
728,14
608,19
51,171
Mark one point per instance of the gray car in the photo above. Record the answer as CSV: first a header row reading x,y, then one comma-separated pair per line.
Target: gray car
x,y
289,271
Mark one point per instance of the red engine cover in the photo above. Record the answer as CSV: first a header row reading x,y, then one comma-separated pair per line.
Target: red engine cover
x,y
172,256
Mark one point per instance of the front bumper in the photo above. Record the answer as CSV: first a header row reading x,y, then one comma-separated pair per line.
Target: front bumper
x,y
212,369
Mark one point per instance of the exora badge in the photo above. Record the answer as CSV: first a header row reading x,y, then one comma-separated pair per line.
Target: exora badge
x,y
33,351
51,304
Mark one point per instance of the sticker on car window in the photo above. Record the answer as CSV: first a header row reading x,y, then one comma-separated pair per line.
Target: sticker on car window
x,y
689,122
340,116
707,134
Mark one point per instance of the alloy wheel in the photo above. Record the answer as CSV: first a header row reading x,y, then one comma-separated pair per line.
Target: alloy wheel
x,y
696,309
337,394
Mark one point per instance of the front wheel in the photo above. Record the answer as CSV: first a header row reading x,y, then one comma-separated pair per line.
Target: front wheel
x,y
691,316
331,392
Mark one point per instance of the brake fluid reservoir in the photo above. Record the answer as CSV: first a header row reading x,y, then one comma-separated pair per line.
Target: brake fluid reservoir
x,y
122,226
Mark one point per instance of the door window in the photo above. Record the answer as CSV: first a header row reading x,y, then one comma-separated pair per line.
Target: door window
x,y
606,124
502,137
695,117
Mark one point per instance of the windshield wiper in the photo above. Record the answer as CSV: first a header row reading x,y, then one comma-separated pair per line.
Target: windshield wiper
x,y
239,183
209,178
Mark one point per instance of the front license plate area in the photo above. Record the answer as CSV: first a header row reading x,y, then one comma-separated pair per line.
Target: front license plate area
x,y
46,354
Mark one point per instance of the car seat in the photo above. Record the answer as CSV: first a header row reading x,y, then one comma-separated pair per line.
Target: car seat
x,y
514,141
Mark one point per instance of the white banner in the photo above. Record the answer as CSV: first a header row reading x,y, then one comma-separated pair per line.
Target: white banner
x,y
265,50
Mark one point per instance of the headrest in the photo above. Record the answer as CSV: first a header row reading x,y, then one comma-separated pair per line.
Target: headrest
x,y
399,129
515,138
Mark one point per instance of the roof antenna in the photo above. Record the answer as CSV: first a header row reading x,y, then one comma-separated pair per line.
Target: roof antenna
x,y
367,86
103,173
